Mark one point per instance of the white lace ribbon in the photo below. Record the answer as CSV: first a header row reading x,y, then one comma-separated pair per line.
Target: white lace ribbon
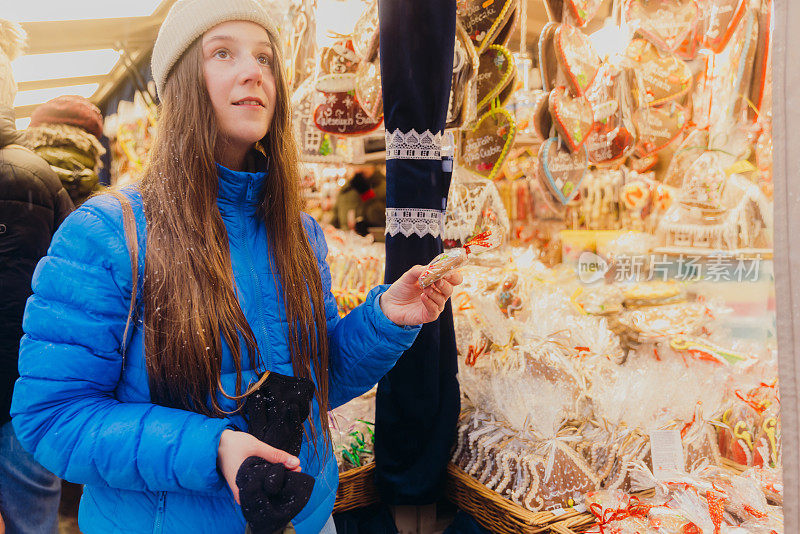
x,y
408,221
413,145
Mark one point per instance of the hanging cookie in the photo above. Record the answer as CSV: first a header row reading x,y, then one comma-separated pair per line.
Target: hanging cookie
x,y
665,23
722,19
657,127
495,74
577,12
572,117
542,120
656,77
366,38
576,58
485,146
368,88
341,114
548,60
461,108
485,20
562,170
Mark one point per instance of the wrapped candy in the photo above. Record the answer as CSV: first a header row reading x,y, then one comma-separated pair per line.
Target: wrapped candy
x,y
446,262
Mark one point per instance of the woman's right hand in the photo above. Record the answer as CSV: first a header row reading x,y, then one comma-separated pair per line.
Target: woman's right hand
x,y
235,447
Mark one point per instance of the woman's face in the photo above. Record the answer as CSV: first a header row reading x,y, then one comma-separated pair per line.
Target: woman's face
x,y
238,69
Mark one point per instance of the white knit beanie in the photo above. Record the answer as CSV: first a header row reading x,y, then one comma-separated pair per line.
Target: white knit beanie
x,y
189,19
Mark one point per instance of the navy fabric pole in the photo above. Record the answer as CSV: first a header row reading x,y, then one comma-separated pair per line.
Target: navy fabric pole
x,y
418,402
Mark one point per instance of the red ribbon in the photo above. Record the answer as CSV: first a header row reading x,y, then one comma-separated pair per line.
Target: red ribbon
x,y
367,195
480,240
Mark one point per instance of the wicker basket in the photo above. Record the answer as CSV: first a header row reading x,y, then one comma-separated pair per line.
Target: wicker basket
x,y
356,489
575,525
494,512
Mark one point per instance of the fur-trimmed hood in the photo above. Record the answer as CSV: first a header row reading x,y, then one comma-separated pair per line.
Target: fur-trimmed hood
x,y
62,135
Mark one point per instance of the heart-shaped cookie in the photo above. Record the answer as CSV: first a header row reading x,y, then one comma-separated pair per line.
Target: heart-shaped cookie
x,y
368,88
504,35
665,23
761,70
461,108
582,11
744,52
761,62
562,170
577,12
572,116
542,120
576,57
484,19
341,114
365,33
723,16
548,60
495,72
657,127
486,145
656,77
607,146
555,10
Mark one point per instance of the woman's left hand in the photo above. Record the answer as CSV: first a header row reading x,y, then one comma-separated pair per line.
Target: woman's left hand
x,y
406,303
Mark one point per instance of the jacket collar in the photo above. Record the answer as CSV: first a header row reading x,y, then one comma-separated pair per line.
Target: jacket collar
x,y
243,187
8,130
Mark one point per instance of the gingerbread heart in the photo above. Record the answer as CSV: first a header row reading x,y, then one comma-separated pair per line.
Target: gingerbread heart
x,y
723,16
607,146
656,77
576,57
761,72
572,116
341,114
365,33
542,120
582,11
665,23
495,73
484,19
743,52
657,127
461,108
548,61
562,170
577,12
555,10
504,35
486,145
368,89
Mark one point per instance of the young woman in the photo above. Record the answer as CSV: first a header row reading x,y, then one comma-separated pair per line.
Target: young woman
x,y
233,282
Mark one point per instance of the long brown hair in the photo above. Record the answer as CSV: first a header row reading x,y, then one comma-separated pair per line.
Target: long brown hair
x,y
189,297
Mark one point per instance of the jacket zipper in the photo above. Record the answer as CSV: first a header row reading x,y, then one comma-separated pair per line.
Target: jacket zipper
x,y
254,274
160,509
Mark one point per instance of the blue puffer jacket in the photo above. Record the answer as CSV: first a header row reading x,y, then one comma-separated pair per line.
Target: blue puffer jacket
x,y
88,418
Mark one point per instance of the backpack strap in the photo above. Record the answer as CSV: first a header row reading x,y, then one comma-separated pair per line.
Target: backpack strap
x,y
131,240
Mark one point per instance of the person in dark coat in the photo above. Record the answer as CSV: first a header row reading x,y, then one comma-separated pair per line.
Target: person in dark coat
x,y
361,202
32,205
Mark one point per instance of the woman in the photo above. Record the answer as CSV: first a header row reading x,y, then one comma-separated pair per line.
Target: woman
x,y
234,283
